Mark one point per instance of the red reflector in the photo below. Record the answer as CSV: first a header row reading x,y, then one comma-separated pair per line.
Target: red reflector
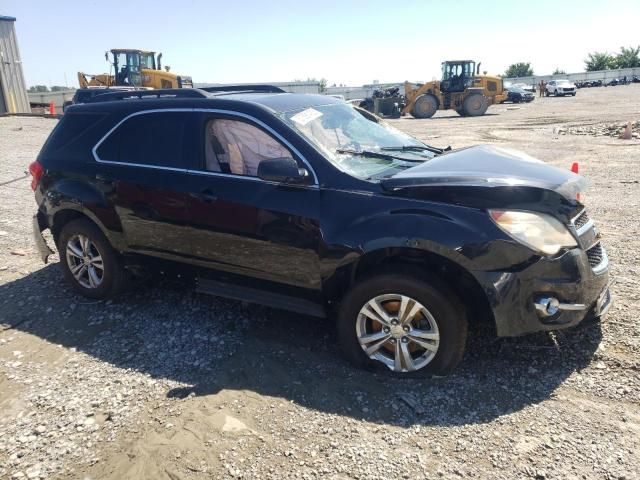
x,y
575,169
36,171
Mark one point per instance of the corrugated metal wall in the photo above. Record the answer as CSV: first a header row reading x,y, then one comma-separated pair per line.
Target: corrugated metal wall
x,y
13,91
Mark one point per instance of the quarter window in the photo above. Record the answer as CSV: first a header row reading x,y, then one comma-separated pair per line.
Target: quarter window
x,y
154,139
237,147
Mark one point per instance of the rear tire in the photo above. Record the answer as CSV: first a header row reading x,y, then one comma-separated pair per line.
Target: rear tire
x,y
89,262
475,105
425,106
442,316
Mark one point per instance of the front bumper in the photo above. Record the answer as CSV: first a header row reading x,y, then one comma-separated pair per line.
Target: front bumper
x,y
569,279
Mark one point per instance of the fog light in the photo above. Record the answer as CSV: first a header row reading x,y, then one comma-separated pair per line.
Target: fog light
x,y
547,306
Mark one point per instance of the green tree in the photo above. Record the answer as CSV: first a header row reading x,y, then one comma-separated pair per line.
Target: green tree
x,y
599,61
557,71
38,89
58,88
628,57
519,70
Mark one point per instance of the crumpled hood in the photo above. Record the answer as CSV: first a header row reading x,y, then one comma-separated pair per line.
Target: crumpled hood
x,y
487,166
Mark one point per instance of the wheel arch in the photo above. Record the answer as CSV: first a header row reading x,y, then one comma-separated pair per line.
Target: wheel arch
x,y
68,213
414,260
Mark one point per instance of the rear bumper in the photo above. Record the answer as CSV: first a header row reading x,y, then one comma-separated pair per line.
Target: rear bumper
x,y
569,279
39,224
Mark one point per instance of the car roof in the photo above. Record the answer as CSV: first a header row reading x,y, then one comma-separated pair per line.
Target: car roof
x,y
284,102
196,98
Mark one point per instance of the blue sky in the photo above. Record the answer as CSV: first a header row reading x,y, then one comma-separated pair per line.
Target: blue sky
x,y
346,42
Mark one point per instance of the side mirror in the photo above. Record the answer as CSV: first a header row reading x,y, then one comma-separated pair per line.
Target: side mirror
x,y
282,170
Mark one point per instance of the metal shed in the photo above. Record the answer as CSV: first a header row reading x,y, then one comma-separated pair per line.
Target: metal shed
x,y
13,91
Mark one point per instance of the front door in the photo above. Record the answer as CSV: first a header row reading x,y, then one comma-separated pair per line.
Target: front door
x,y
242,224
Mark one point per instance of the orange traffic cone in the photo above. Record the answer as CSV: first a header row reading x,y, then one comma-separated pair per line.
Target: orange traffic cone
x,y
52,108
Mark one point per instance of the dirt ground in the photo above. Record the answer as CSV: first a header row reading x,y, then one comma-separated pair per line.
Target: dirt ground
x,y
163,383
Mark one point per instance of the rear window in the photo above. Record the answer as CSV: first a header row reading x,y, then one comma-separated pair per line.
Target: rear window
x,y
154,139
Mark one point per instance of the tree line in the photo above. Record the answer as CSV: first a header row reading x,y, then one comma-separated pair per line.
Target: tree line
x,y
45,89
626,58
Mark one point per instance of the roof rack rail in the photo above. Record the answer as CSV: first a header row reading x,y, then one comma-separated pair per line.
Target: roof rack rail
x,y
142,94
243,88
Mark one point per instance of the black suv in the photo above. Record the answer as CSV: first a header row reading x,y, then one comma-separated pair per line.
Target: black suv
x,y
303,202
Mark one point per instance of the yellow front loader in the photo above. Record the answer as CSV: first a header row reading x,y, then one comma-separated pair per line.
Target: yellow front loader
x,y
461,88
135,68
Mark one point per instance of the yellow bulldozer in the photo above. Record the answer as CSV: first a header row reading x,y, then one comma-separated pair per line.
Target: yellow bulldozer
x,y
135,68
461,88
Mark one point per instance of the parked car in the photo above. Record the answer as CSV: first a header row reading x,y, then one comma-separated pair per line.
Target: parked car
x,y
518,95
526,87
560,88
614,82
589,84
306,203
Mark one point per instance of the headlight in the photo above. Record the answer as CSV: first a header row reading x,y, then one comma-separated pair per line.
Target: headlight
x,y
538,231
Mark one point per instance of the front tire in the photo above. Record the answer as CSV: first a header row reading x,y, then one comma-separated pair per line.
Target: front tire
x,y
89,262
475,105
404,323
425,106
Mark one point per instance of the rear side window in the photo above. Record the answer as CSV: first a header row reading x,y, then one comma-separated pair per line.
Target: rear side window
x,y
70,128
154,139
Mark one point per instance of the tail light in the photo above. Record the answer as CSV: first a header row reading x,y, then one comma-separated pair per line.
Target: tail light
x,y
36,171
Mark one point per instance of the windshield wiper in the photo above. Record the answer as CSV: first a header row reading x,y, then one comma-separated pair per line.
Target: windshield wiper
x,y
374,154
418,148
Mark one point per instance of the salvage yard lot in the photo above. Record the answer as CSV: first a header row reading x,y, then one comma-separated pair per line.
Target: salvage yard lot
x,y
164,383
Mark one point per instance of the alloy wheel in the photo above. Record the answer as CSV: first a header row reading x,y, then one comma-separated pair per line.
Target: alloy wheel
x,y
85,261
398,331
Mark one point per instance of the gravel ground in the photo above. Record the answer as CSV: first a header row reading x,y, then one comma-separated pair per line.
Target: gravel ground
x,y
163,383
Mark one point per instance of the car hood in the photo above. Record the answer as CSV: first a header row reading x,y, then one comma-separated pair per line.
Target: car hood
x,y
487,167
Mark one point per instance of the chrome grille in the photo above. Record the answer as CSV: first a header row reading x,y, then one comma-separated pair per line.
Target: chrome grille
x,y
581,220
595,255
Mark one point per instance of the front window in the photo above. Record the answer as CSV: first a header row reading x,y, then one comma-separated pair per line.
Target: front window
x,y
237,147
357,145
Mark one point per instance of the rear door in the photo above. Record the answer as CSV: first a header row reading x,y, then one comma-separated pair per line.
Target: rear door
x,y
242,224
144,163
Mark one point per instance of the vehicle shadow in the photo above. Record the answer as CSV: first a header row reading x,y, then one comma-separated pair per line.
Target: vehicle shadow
x,y
206,344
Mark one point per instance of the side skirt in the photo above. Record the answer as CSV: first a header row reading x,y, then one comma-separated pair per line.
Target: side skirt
x,y
253,295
